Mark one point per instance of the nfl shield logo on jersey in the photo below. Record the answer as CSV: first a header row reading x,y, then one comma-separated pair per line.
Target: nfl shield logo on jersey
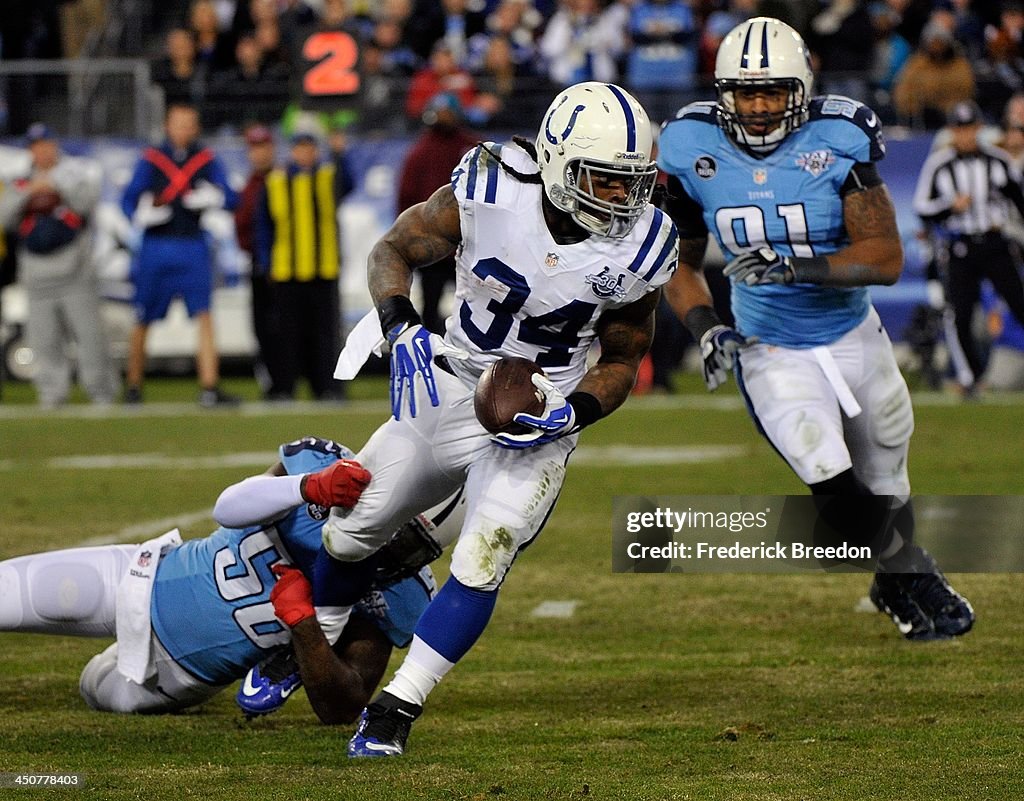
x,y
760,176
145,558
551,261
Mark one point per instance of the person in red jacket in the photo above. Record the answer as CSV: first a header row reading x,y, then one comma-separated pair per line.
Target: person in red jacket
x,y
442,73
429,165
259,143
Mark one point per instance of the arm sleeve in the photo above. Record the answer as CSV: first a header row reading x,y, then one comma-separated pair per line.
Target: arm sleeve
x,y
343,180
219,177
138,184
257,499
685,212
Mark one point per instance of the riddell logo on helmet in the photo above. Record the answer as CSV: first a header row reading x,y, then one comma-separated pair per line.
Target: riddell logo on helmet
x,y
630,157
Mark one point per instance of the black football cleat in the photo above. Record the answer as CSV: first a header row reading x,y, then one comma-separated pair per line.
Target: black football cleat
x,y
888,596
951,613
384,727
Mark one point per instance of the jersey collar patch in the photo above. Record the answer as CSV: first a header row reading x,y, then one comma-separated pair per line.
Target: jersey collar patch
x,y
816,162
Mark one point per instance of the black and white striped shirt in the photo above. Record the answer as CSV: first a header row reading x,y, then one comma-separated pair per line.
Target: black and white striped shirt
x,y
985,174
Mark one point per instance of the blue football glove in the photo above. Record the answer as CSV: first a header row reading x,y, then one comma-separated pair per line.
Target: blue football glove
x,y
559,419
761,266
718,349
413,349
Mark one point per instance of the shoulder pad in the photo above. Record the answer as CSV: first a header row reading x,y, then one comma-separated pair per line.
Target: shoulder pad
x,y
704,111
865,127
311,453
476,177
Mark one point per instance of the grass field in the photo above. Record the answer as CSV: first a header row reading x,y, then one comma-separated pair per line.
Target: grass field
x,y
658,686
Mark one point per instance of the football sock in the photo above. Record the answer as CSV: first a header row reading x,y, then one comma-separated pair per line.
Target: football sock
x,y
448,628
422,669
337,583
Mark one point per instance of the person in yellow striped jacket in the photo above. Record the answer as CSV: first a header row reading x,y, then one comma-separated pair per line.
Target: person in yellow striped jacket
x,y
298,248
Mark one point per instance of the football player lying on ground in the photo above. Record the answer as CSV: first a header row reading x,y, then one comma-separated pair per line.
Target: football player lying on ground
x,y
192,617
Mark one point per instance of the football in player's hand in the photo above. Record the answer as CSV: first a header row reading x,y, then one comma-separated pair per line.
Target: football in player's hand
x,y
43,201
504,390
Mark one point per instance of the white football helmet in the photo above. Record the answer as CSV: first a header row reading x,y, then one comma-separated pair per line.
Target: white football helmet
x,y
597,131
763,52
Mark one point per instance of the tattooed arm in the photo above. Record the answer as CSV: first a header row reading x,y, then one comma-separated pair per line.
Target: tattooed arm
x,y
422,235
875,253
625,335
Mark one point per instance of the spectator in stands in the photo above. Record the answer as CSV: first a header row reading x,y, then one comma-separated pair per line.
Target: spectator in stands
x,y
269,37
251,89
51,207
718,24
298,247
180,75
891,50
381,91
581,44
397,57
171,187
515,21
662,63
966,25
843,38
259,142
429,165
214,48
448,21
496,84
441,75
1000,72
936,77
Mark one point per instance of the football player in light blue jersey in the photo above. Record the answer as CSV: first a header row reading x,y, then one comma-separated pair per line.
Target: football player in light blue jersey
x,y
786,183
192,617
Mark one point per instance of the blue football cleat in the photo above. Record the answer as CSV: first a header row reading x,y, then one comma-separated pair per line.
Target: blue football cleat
x,y
383,727
268,685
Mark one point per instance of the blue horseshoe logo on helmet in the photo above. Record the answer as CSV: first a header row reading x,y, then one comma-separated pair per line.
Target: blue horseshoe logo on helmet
x,y
568,128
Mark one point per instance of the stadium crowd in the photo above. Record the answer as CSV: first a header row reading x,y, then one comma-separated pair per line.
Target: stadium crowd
x,y
241,60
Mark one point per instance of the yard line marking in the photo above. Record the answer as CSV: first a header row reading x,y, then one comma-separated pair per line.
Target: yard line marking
x,y
633,455
559,609
120,461
688,402
620,455
140,532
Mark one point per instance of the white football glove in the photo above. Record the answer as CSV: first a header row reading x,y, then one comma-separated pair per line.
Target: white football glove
x,y
413,350
148,215
559,419
204,196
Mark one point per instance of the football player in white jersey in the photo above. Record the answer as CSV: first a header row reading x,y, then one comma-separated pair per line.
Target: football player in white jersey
x,y
787,184
557,245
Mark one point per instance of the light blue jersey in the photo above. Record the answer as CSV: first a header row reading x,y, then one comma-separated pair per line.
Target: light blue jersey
x,y
788,200
211,606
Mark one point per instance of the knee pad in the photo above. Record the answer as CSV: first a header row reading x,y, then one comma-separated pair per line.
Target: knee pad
x,y
483,556
892,416
64,593
11,611
93,674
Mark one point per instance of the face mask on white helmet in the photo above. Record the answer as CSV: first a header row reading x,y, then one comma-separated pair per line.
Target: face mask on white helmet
x,y
594,152
763,52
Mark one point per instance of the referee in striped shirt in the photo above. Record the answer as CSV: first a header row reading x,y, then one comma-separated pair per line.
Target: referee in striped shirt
x,y
966,188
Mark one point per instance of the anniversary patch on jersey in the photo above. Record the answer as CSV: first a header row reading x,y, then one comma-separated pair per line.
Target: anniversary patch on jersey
x,y
317,512
605,285
705,167
815,162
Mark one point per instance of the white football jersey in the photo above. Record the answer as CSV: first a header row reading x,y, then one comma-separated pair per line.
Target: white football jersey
x,y
520,293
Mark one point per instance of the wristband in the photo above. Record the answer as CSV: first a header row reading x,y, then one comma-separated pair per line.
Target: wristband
x,y
586,407
809,269
395,312
701,319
